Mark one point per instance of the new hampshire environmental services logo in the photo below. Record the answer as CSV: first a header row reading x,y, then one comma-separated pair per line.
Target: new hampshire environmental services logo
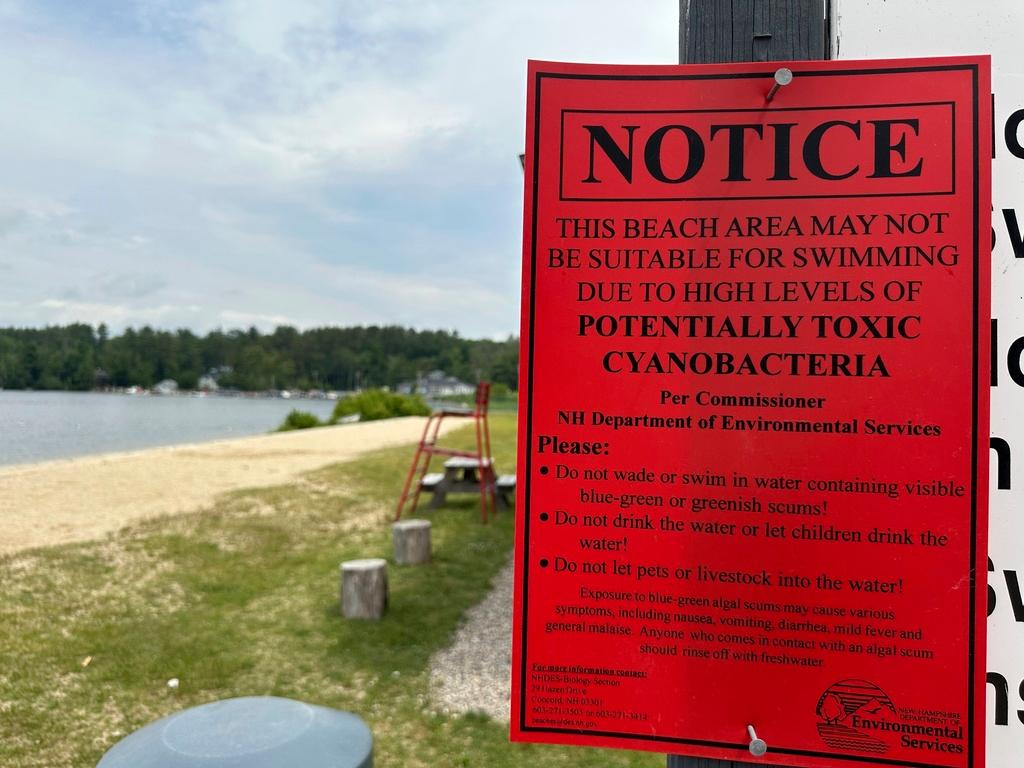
x,y
846,707
858,716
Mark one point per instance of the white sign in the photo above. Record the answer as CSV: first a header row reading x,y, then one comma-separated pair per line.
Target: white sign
x,y
898,28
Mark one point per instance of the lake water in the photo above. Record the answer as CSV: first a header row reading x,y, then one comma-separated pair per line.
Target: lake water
x,y
37,426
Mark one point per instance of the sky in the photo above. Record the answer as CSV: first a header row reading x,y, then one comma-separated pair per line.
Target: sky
x,y
236,163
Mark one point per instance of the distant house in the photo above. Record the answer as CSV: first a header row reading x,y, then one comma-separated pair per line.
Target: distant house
x,y
436,384
210,381
166,387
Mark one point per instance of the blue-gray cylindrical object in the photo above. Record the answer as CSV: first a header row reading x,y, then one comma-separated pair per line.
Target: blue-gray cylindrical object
x,y
250,732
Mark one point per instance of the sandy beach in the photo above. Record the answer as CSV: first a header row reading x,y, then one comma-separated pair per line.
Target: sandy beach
x,y
80,499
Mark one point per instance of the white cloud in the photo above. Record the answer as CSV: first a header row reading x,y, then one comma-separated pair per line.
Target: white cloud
x,y
233,319
208,162
427,299
116,315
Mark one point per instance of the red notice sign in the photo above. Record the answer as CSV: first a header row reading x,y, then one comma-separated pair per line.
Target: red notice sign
x,y
754,411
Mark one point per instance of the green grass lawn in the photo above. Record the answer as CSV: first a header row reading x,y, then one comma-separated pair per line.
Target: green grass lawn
x,y
241,599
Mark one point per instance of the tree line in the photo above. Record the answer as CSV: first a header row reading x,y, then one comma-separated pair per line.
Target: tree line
x,y
80,357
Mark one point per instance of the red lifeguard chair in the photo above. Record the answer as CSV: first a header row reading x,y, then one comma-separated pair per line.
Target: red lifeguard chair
x,y
463,470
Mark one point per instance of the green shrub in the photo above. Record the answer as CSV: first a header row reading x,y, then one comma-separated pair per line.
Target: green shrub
x,y
299,420
373,404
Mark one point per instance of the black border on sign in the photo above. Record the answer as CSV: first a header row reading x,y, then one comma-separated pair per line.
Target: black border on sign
x,y
561,159
524,566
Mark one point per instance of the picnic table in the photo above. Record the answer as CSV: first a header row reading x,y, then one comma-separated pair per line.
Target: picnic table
x,y
462,474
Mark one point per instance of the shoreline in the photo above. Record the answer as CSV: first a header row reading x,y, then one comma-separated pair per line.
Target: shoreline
x,y
60,501
52,426
107,456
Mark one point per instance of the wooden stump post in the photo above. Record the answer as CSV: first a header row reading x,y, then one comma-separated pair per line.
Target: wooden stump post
x,y
364,588
412,541
759,30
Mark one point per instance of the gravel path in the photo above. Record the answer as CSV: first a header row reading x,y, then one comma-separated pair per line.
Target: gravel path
x,y
475,673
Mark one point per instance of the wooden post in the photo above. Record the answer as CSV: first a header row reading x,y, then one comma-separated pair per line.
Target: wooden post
x,y
364,588
412,541
717,31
